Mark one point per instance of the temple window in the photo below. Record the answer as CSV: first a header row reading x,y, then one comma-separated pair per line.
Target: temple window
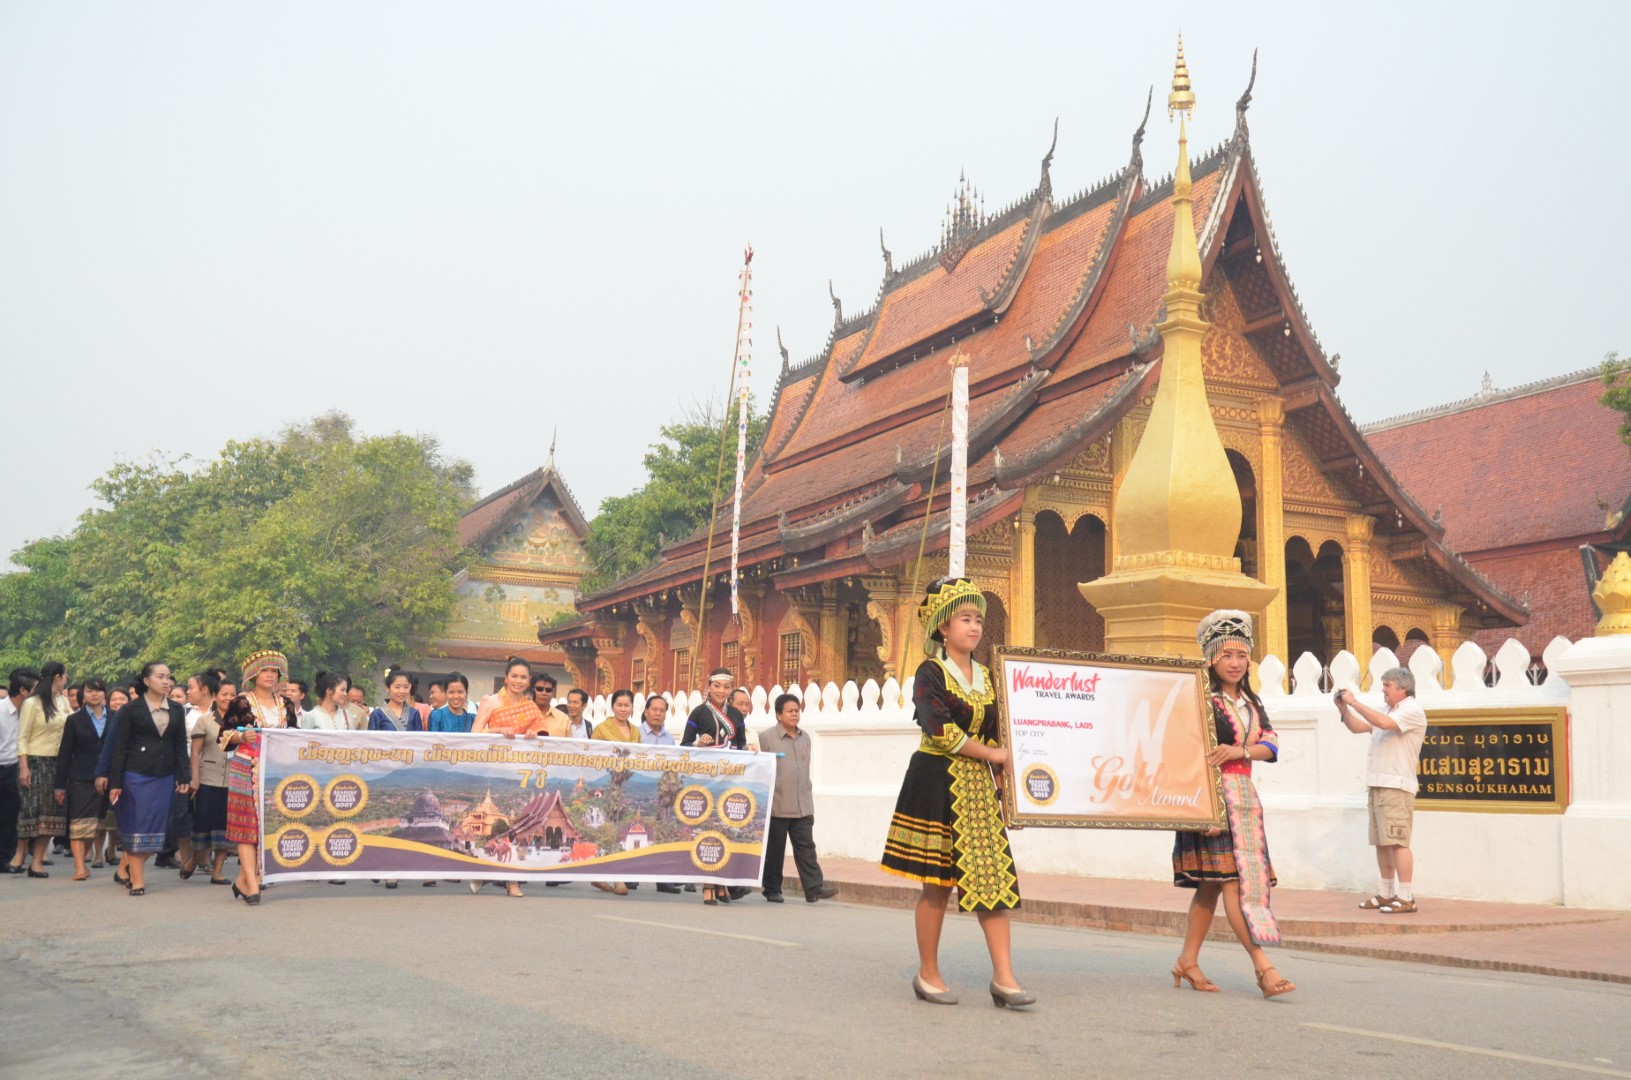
x,y
729,654
682,670
790,658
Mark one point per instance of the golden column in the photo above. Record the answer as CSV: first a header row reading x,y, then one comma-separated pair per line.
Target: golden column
x,y
1178,509
1273,635
834,636
1022,582
1446,636
1356,586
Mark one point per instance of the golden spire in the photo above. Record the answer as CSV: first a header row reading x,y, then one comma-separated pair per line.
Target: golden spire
x,y
1613,596
1184,261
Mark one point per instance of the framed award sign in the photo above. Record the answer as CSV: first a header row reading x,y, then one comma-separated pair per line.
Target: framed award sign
x,y
1109,742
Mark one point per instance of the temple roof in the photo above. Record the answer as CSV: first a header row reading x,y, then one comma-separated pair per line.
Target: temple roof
x,y
493,514
1055,307
1554,437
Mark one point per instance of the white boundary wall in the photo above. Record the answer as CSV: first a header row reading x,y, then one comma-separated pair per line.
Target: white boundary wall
x,y
1314,796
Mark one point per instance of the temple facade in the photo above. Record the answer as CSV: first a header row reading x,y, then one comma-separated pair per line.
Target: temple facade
x,y
1058,307
527,538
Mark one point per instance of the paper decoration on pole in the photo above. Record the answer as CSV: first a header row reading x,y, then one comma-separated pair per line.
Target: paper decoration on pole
x,y
744,370
957,551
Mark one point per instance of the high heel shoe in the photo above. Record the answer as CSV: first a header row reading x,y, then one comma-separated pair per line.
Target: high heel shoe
x,y
1191,974
1003,998
933,997
1281,985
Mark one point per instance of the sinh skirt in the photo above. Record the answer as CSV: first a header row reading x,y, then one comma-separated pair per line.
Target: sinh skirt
x,y
143,811
243,820
86,806
39,814
210,820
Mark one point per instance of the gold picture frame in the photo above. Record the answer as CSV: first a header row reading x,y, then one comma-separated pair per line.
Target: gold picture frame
x,y
1193,734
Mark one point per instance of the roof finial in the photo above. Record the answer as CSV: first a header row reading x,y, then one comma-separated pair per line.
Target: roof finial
x,y
837,304
1182,99
549,464
1045,185
1245,101
888,259
1138,136
785,362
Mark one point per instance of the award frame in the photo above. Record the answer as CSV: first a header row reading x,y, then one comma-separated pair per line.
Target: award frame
x,y
1191,715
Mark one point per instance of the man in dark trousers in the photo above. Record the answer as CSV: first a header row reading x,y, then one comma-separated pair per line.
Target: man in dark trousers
x,y
792,810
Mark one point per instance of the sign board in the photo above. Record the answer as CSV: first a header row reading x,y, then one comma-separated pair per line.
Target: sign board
x,y
1098,741
1509,760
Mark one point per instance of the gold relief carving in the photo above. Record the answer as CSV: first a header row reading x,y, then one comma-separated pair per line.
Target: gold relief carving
x,y
1189,559
644,630
1302,475
1247,443
574,672
1078,513
1383,571
1095,458
795,622
605,680
882,613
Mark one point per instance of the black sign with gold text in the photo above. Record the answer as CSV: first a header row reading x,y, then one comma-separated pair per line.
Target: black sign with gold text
x,y
1511,760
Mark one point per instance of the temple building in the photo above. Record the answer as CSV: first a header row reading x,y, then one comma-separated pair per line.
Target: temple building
x,y
484,819
1546,530
1066,310
529,558
426,824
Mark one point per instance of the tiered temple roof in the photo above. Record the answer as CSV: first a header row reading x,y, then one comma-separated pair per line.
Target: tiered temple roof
x,y
1055,307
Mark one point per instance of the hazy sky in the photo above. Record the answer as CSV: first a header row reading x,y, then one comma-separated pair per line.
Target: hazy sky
x,y
484,220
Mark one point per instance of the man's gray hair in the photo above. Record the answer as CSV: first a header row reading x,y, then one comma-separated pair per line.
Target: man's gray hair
x,y
1401,678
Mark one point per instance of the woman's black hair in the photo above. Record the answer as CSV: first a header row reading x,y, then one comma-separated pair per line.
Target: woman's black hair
x,y
23,681
328,680
644,709
239,714
1216,687
456,677
515,662
140,682
209,682
396,673
92,684
616,695
43,691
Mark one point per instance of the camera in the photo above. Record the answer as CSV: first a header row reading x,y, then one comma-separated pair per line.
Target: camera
x,y
1337,697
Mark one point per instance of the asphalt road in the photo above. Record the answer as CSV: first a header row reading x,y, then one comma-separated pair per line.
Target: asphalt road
x,y
570,982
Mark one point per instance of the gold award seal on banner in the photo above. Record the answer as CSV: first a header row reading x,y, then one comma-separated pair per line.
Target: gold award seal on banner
x,y
693,805
709,851
340,845
291,846
1040,784
296,796
345,795
737,807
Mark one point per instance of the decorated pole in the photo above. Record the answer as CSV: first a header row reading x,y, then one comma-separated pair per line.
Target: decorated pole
x,y
957,549
743,371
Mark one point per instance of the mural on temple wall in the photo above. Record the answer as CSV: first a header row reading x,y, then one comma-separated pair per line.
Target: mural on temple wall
x,y
489,611
541,538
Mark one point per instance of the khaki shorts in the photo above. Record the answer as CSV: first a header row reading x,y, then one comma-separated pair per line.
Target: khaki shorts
x,y
1390,811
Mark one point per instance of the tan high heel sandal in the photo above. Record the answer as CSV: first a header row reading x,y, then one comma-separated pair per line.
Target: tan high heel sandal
x,y
1191,974
1282,985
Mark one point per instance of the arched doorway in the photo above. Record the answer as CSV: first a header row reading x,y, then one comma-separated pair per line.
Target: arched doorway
x,y
1246,482
996,630
1314,613
1063,619
1383,637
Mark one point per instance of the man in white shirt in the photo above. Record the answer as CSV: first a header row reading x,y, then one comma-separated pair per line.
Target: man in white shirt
x,y
22,684
576,701
1390,775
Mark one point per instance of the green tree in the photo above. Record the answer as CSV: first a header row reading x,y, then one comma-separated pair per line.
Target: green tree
x,y
333,548
1617,395
673,502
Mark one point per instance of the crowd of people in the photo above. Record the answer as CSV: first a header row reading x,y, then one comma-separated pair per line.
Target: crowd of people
x,y
154,767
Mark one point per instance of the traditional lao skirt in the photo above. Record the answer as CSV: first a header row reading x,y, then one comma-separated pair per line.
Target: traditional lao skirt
x,y
947,830
180,825
210,820
243,817
39,814
1239,853
86,806
143,811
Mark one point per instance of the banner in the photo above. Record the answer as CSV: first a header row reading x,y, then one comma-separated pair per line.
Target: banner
x,y
1107,742
337,805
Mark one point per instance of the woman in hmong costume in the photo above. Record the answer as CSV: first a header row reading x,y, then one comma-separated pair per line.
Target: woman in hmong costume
x,y
947,830
262,705
1232,862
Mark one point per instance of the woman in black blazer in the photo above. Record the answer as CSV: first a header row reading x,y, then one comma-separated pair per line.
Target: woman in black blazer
x,y
150,761
76,772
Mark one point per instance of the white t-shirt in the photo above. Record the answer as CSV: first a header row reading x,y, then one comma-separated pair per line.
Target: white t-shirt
x,y
192,714
319,719
9,722
1393,754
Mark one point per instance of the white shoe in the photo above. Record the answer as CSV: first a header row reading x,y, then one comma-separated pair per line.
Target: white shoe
x,y
475,886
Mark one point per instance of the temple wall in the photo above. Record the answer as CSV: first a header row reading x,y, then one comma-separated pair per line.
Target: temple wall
x,y
1315,795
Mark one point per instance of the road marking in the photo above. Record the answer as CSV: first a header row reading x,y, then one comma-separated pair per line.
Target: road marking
x,y
722,933
1505,1055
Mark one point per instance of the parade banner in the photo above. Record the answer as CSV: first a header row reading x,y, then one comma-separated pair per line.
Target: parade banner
x,y
1107,741
338,805
1505,761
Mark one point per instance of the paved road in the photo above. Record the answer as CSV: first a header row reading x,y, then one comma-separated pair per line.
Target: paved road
x,y
569,982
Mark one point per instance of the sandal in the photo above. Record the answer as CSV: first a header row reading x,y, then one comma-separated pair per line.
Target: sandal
x,y
1377,902
1399,906
1281,985
82,876
1191,973
138,892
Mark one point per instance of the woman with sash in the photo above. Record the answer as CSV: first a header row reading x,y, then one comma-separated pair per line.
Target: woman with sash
x,y
1231,862
509,712
947,829
262,705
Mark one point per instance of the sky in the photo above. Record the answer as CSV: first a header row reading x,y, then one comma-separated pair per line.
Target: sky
x,y
489,221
